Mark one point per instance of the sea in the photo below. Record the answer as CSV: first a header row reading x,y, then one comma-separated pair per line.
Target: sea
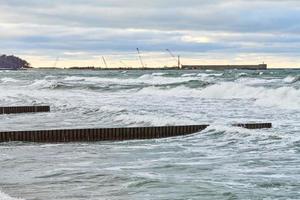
x,y
221,162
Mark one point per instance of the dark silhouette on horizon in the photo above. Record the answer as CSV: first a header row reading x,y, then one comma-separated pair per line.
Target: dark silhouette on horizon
x,y
13,62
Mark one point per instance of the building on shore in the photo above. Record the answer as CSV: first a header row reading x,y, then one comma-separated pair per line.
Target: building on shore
x,y
224,67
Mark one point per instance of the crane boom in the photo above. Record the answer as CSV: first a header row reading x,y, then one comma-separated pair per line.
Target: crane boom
x,y
56,61
177,58
126,66
104,61
172,55
140,57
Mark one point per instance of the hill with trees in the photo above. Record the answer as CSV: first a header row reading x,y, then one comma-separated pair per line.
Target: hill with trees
x,y
13,62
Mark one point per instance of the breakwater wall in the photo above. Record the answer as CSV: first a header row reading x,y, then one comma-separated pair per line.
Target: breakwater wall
x,y
224,67
24,109
254,125
108,134
99,134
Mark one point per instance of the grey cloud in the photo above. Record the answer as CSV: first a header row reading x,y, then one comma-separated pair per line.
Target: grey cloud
x,y
52,27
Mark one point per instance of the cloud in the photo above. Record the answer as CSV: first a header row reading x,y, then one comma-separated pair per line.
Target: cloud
x,y
92,27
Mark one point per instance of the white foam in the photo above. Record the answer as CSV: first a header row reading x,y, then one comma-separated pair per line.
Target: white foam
x,y
291,79
242,74
158,74
188,75
4,196
256,81
7,80
40,84
156,119
74,78
283,97
151,79
209,74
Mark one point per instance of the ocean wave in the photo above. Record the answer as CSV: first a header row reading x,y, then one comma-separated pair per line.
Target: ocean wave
x,y
42,84
291,79
243,74
228,135
9,80
256,81
282,97
146,79
210,74
4,196
158,74
188,75
153,120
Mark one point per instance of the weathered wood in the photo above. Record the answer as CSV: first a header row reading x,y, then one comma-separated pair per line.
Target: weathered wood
x,y
254,125
24,109
110,134
100,134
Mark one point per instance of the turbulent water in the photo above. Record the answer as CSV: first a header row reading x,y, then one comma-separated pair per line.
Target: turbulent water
x,y
221,162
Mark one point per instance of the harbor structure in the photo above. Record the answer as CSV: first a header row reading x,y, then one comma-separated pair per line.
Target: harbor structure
x,y
110,134
224,67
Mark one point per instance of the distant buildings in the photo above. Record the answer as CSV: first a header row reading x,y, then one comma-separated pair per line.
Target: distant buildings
x,y
13,63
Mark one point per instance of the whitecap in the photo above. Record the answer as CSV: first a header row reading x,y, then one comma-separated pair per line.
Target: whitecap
x,y
4,196
291,79
6,80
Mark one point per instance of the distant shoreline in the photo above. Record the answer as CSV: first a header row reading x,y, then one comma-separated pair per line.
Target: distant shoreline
x,y
138,69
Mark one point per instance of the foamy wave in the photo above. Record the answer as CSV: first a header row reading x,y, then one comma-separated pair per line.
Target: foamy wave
x,y
256,81
75,78
210,74
4,196
158,74
283,97
188,75
230,134
7,80
149,79
41,84
291,79
157,120
242,74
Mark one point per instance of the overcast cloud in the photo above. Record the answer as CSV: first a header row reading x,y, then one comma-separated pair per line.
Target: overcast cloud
x,y
226,30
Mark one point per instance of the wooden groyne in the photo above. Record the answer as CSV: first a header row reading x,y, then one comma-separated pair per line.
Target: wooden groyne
x,y
99,134
108,134
254,125
24,109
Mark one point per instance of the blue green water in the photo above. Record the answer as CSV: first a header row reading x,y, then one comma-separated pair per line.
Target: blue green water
x,y
221,162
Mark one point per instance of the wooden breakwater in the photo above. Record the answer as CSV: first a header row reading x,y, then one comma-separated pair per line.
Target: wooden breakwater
x,y
99,134
24,109
108,134
254,125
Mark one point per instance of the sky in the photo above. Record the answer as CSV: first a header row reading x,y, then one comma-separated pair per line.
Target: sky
x,y
80,32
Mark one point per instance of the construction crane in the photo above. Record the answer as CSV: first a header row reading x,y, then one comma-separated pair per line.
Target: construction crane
x,y
56,61
140,57
126,66
104,61
177,58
